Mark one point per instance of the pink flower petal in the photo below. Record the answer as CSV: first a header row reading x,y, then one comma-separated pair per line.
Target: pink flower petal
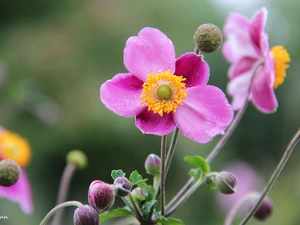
x,y
193,68
263,96
238,89
150,51
205,113
19,193
244,65
257,27
238,43
152,123
122,94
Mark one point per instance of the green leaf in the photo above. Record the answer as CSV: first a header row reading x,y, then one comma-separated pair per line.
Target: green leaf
x,y
199,162
196,173
147,208
117,173
136,178
115,213
170,221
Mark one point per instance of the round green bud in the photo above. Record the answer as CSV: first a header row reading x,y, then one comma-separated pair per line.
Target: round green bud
x,y
78,158
9,172
164,92
208,38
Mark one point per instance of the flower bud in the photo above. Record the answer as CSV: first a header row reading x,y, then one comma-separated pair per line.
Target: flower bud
x,y
152,165
138,194
86,215
265,210
226,182
122,186
101,195
78,158
9,172
208,38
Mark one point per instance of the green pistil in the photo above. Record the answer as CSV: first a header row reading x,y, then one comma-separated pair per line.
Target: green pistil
x,y
164,92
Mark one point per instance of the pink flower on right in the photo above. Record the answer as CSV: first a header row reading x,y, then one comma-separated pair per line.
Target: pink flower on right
x,y
252,62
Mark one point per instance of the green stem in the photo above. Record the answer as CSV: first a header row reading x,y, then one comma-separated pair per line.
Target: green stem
x,y
62,205
171,149
274,176
63,190
162,173
236,119
136,209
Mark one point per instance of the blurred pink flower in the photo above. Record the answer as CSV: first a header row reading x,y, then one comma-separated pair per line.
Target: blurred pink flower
x,y
247,49
248,181
161,91
12,146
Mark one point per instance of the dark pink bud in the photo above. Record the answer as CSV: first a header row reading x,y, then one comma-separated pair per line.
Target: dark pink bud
x,y
101,195
122,186
86,215
265,210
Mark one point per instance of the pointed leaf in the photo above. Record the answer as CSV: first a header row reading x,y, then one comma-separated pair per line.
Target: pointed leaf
x,y
117,173
170,221
136,178
198,162
115,213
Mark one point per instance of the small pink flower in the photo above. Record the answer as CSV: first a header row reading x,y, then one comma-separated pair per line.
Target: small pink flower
x,y
162,91
12,146
247,49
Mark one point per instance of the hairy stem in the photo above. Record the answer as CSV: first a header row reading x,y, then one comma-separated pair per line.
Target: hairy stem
x,y
62,205
162,173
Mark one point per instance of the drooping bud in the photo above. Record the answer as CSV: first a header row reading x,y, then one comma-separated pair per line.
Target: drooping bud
x,y
265,210
9,172
122,186
208,38
101,195
152,165
226,182
78,158
86,215
138,194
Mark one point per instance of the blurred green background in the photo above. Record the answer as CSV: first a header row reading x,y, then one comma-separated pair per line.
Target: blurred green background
x,y
54,56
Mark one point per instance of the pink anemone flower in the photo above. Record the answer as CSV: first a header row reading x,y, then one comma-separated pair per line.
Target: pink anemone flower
x,y
247,49
162,91
12,146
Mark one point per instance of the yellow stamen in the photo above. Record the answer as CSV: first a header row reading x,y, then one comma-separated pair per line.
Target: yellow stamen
x,y
12,146
162,104
281,59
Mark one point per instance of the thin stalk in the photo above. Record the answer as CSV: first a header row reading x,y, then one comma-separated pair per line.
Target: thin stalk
x,y
162,173
184,197
236,119
274,176
63,190
233,211
136,209
171,150
62,205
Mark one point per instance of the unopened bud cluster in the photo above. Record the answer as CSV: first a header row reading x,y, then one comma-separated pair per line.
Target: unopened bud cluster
x,y
208,38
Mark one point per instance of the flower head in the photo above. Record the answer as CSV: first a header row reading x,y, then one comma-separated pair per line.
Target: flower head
x,y
161,91
12,146
253,63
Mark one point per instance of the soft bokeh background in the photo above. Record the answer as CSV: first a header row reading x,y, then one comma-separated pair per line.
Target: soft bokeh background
x,y
54,56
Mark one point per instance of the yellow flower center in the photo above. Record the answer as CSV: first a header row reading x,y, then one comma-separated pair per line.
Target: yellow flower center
x,y
163,92
12,146
281,59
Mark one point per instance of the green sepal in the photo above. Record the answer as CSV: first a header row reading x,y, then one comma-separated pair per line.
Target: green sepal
x,y
136,178
148,190
169,221
196,173
117,173
125,211
199,162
